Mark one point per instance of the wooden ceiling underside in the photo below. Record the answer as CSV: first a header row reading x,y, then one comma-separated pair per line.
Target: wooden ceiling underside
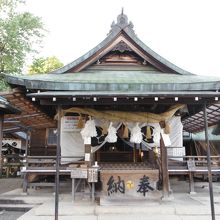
x,y
31,117
195,123
34,117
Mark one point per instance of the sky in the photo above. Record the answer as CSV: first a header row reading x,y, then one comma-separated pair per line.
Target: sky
x,y
185,32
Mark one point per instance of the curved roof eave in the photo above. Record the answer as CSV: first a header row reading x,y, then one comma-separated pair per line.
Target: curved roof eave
x,y
7,108
154,54
121,25
41,83
86,56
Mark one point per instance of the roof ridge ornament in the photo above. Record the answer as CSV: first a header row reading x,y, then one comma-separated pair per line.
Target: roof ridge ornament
x,y
122,23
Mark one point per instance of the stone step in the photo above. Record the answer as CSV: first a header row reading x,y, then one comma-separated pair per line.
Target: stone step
x,y
16,207
11,201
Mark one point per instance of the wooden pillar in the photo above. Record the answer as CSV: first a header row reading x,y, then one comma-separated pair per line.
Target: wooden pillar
x,y
209,163
151,158
25,183
58,162
98,155
27,153
134,153
191,183
1,137
139,154
164,168
88,149
27,144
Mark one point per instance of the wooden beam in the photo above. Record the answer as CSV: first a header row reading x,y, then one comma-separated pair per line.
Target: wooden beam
x,y
26,116
109,101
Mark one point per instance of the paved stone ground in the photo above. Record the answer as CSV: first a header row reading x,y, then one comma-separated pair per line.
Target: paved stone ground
x,y
6,215
8,184
183,207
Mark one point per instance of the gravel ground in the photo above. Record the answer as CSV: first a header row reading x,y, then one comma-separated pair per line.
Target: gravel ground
x,y
9,184
6,215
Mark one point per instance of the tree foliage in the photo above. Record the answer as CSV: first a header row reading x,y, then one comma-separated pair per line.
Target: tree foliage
x,y
20,32
44,65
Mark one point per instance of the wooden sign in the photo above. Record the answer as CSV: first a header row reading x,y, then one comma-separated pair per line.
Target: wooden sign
x,y
191,165
87,156
70,123
79,173
92,175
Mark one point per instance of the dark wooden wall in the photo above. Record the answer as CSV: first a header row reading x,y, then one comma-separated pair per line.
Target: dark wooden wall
x,y
38,144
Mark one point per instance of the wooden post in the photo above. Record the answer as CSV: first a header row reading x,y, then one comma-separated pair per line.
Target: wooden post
x,y
139,153
57,162
93,191
164,167
1,137
98,156
25,183
134,153
27,147
73,189
191,183
209,164
191,167
27,143
151,158
88,149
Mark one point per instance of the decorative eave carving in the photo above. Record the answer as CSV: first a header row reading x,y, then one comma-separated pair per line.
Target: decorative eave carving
x,y
122,23
121,46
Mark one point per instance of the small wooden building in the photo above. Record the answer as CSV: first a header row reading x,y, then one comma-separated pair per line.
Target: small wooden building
x,y
125,82
5,109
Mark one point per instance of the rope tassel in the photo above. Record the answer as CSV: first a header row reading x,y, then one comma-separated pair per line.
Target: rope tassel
x,y
104,129
148,132
80,123
125,132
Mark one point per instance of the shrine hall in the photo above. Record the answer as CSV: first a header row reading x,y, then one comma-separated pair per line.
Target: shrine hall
x,y
118,120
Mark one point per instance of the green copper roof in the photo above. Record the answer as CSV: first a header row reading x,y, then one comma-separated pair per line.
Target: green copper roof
x,y
171,78
120,77
117,80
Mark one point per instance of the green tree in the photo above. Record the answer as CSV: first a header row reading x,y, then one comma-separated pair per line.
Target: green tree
x,y
44,65
20,33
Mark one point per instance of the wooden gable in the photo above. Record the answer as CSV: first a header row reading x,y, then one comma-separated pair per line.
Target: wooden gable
x,y
122,51
122,57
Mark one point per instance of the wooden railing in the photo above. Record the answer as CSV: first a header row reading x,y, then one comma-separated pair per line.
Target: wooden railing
x,y
196,164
